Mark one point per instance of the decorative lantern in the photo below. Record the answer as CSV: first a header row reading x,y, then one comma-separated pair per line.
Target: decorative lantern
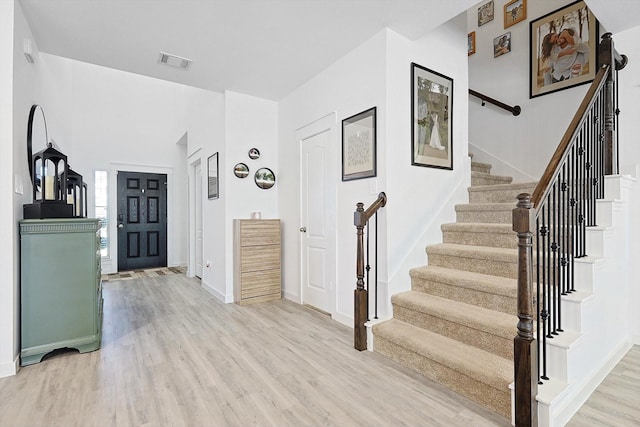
x,y
49,178
76,193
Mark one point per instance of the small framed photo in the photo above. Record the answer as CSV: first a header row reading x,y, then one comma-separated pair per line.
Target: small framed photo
x,y
563,49
471,43
485,13
359,146
431,118
502,44
213,185
514,12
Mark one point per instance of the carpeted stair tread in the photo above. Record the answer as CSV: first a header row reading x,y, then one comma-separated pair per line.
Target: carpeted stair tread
x,y
487,368
481,259
476,252
468,279
481,234
482,178
486,213
477,318
499,193
480,167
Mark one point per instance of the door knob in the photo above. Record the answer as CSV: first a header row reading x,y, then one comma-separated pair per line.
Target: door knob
x,y
120,226
303,229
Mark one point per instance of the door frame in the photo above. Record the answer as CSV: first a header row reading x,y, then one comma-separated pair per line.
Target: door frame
x,y
192,160
329,124
114,167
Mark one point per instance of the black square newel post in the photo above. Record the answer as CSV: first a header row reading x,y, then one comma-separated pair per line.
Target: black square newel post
x,y
524,344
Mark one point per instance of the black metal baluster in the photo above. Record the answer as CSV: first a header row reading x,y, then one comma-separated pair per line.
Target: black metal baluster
x,y
544,313
563,228
367,267
542,354
375,314
553,218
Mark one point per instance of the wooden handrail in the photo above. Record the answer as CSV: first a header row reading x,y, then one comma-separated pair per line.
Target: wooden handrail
x,y
515,110
361,297
561,153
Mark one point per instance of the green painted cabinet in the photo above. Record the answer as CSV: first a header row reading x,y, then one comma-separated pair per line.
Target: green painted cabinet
x,y
60,286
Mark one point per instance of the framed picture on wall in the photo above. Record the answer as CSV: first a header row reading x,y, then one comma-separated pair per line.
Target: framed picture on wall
x,y
563,49
213,184
471,43
502,44
431,118
514,12
485,13
359,146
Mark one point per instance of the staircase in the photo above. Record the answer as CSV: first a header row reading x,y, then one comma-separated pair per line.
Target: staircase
x,y
457,323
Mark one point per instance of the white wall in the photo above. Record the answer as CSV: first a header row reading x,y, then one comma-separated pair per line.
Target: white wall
x,y
106,119
250,122
421,199
8,254
525,142
377,73
629,128
353,84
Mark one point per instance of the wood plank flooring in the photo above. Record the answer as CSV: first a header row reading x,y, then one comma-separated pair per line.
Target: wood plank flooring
x,y
172,355
616,401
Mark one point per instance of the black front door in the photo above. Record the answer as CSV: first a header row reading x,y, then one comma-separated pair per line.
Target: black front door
x,y
142,220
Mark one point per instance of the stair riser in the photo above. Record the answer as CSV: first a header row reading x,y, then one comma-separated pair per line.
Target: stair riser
x,y
482,168
485,216
495,240
496,196
484,266
498,401
500,346
486,300
483,180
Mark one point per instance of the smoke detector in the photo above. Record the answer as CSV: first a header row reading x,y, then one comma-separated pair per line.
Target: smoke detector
x,y
174,60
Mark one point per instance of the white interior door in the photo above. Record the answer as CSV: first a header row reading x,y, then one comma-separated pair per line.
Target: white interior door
x,y
317,228
198,209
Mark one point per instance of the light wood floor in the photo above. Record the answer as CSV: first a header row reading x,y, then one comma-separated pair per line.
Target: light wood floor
x,y
616,401
172,355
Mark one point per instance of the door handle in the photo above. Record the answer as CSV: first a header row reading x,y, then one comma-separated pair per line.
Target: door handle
x,y
120,225
303,229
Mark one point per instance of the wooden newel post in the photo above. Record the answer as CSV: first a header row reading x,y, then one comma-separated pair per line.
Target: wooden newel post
x,y
360,296
524,344
606,56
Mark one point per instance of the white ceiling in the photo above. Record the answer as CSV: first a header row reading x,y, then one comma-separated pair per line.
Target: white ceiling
x,y
616,15
265,48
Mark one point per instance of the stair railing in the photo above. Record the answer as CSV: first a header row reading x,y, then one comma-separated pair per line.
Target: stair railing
x,y
515,110
361,294
556,216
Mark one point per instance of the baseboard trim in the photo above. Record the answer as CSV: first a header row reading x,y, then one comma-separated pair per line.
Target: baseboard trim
x,y
571,405
218,295
11,368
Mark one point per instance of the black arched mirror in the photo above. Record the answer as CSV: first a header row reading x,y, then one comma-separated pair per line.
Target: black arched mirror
x,y
241,170
265,178
36,134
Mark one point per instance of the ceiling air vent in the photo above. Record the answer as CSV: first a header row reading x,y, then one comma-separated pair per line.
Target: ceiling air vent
x,y
174,60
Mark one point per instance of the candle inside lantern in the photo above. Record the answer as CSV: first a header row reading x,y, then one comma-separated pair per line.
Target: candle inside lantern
x,y
70,198
48,188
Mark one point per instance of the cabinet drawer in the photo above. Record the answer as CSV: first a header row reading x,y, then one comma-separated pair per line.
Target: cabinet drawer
x,y
260,283
254,258
259,232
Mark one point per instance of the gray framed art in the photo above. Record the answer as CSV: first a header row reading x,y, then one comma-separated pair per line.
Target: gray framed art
x,y
431,118
359,146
